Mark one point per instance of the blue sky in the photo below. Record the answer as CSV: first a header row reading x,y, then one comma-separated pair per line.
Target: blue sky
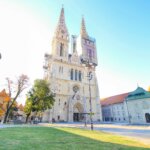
x,y
121,29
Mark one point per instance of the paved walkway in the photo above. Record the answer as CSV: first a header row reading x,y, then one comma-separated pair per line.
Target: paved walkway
x,y
17,125
136,132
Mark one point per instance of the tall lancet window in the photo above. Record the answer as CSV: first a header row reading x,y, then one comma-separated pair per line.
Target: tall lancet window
x,y
90,53
61,49
76,74
71,74
74,46
80,76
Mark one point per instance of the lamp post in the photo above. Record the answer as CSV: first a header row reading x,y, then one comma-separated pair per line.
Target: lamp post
x,y
89,65
90,101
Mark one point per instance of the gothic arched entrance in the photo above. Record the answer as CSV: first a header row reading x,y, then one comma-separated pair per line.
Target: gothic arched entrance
x,y
78,112
147,117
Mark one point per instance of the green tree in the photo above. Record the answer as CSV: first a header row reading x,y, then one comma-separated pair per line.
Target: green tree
x,y
39,98
28,108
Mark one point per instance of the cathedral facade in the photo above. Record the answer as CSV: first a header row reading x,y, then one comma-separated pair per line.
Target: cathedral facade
x,y
72,76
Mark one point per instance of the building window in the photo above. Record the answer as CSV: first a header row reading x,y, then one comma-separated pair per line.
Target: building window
x,y
74,46
59,102
90,53
58,117
79,75
61,49
93,54
76,74
60,69
71,76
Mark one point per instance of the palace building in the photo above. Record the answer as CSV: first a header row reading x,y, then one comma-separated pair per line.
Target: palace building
x,y
72,76
132,107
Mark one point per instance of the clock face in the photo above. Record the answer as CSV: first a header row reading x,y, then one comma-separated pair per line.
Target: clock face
x,y
62,31
75,89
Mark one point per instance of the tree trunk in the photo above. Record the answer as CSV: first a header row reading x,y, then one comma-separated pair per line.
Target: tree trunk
x,y
27,118
6,115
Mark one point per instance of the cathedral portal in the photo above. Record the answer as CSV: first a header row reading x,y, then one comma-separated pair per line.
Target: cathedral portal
x,y
78,112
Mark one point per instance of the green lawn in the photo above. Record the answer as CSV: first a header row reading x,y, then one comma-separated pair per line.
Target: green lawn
x,y
48,138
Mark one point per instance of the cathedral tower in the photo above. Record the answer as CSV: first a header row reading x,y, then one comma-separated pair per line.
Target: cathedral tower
x,y
61,39
68,77
87,46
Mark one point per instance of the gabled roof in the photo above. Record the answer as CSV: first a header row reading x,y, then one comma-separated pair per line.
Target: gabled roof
x,y
113,99
138,94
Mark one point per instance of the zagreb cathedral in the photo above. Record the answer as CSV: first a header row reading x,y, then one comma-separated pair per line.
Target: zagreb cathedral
x,y
71,74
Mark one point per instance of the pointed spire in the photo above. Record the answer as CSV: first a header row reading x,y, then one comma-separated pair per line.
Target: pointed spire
x,y
61,26
62,18
83,28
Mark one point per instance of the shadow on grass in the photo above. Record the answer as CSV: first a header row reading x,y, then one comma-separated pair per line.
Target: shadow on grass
x,y
45,138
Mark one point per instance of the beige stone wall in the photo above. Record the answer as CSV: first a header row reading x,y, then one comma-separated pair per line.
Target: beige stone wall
x,y
137,110
60,83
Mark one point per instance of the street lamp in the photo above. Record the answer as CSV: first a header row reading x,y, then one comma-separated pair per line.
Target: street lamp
x,y
89,66
90,101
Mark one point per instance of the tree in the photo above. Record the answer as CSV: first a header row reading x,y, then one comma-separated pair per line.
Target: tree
x,y
4,99
39,98
15,89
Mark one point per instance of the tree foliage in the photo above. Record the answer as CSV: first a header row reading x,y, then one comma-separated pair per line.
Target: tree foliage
x,y
4,99
39,98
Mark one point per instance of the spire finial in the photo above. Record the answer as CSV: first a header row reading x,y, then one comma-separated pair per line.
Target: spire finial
x,y
83,28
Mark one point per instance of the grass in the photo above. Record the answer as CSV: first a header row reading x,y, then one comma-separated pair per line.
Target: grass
x,y
48,138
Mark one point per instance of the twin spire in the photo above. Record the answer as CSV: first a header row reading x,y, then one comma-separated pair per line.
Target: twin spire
x,y
62,25
83,29
62,18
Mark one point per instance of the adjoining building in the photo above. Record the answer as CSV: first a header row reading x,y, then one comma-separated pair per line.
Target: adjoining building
x,y
72,75
132,107
138,105
113,108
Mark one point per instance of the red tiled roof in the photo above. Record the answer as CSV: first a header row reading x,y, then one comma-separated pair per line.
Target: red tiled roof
x,y
113,99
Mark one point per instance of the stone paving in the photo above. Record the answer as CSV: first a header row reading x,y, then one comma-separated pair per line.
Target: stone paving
x,y
136,132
